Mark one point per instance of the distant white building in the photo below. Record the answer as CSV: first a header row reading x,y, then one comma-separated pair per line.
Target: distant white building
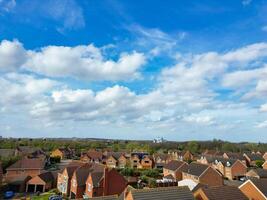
x,y
159,140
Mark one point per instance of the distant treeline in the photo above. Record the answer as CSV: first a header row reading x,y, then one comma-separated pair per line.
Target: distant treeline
x,y
121,145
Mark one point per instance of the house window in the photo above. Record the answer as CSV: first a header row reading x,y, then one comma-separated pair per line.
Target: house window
x,y
74,183
89,187
146,162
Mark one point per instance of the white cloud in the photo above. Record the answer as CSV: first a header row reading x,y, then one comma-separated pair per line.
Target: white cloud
x,y
12,55
262,124
263,108
196,119
84,62
80,62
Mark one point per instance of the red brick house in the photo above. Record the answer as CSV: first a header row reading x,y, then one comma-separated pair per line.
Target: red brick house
x,y
175,168
63,153
116,159
230,168
203,174
147,162
161,159
265,156
78,180
64,179
235,156
101,183
41,183
25,167
92,156
219,192
255,189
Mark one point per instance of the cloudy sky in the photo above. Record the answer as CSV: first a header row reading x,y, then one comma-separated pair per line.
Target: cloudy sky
x,y
182,70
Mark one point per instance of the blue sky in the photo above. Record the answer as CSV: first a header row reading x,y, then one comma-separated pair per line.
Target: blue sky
x,y
182,70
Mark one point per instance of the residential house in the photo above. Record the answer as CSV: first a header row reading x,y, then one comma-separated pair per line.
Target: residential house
x,y
161,159
25,167
136,160
207,160
219,192
92,156
264,166
116,159
63,153
175,169
64,178
230,168
161,193
212,153
101,183
18,183
42,182
252,158
147,162
80,175
203,174
255,189
181,155
29,151
235,156
258,173
265,156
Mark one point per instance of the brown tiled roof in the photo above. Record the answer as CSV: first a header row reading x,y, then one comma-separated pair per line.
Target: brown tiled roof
x,y
116,155
47,177
174,165
164,193
162,156
223,192
95,155
196,169
254,156
96,177
234,155
83,172
261,184
26,163
262,173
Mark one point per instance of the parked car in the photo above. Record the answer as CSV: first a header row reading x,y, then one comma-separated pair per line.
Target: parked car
x,y
55,197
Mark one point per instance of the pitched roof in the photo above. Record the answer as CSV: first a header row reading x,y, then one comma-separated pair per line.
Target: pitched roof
x,y
116,155
47,177
261,184
7,153
83,172
262,173
174,165
28,150
223,192
94,154
254,156
96,177
196,169
26,163
163,193
162,156
234,155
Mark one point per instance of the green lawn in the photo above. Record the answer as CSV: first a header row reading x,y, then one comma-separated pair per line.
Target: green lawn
x,y
43,196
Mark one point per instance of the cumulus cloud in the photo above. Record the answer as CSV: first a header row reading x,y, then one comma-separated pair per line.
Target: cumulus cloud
x,y
196,119
7,5
263,108
12,55
81,62
84,62
18,89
